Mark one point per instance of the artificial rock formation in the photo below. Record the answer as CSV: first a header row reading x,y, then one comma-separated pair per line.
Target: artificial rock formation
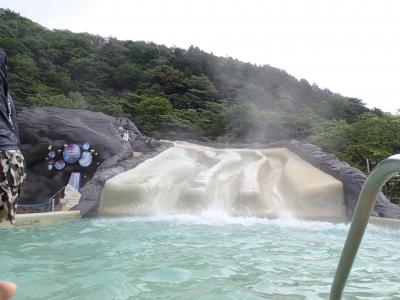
x,y
352,178
191,178
43,126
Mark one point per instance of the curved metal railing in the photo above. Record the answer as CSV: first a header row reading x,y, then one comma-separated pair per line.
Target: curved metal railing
x,y
37,207
366,201
53,198
50,203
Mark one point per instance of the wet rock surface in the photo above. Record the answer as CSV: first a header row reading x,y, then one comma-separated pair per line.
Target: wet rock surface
x,y
43,126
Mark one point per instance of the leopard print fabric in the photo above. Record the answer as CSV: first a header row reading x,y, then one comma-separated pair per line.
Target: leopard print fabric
x,y
12,178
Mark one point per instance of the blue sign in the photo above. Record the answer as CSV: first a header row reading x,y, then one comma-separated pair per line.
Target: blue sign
x,y
59,165
86,159
86,146
72,153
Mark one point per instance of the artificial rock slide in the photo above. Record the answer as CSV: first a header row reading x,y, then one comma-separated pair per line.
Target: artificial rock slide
x,y
44,126
190,178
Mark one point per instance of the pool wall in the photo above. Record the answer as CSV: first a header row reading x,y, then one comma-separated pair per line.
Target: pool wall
x,y
23,220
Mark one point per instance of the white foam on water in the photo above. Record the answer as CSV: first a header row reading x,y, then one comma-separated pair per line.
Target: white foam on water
x,y
218,217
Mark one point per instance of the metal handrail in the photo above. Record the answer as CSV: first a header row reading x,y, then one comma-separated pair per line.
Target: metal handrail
x,y
33,205
52,198
366,201
50,202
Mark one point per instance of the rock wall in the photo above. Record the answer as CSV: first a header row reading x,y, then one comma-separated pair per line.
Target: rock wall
x,y
43,126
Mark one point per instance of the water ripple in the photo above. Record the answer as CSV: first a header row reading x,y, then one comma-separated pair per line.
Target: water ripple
x,y
188,257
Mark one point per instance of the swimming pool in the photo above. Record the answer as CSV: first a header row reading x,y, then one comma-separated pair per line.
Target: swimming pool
x,y
210,256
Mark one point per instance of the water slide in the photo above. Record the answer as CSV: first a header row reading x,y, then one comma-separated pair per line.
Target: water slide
x,y
190,178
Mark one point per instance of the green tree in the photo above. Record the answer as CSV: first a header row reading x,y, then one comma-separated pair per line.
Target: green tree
x,y
371,137
186,92
73,100
126,76
200,87
153,113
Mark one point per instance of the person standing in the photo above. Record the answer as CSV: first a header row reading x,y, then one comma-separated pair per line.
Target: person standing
x,y
125,128
12,164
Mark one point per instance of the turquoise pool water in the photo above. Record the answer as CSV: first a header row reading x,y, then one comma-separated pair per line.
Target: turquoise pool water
x,y
185,257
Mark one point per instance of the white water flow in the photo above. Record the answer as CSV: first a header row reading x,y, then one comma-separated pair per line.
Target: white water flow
x,y
194,179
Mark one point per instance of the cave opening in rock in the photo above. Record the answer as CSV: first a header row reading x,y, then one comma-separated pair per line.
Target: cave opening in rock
x,y
55,170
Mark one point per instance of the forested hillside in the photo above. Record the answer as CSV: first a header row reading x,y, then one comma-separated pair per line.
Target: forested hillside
x,y
188,93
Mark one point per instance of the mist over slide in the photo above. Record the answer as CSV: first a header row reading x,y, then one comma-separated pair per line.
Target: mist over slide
x,y
189,178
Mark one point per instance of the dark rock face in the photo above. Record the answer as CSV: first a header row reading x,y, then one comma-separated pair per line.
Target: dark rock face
x,y
43,126
352,178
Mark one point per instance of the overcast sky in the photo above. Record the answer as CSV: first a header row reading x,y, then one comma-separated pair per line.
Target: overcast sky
x,y
351,47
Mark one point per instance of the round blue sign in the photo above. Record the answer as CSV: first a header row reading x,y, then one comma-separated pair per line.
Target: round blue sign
x,y
72,153
59,165
86,146
86,159
51,154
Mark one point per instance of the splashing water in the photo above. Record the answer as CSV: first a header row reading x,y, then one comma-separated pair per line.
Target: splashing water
x,y
206,256
189,178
